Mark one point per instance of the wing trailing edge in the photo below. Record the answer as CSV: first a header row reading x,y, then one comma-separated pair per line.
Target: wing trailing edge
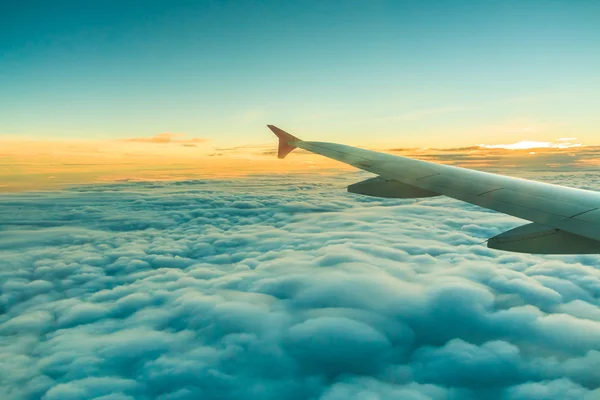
x,y
391,189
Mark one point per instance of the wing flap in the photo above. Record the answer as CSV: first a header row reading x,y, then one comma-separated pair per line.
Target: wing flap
x,y
540,239
461,185
379,187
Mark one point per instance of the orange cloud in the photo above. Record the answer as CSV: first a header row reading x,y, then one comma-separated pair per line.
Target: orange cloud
x,y
165,138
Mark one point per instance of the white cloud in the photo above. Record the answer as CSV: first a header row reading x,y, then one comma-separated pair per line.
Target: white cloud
x,y
274,288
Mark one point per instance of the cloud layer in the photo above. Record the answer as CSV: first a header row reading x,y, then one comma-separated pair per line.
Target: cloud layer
x,y
166,138
283,287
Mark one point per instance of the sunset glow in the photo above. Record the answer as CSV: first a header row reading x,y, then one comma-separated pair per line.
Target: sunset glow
x,y
52,164
530,144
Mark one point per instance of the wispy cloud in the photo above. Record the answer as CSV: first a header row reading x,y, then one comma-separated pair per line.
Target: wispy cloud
x,y
165,138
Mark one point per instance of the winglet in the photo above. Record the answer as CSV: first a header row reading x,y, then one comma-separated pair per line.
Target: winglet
x,y
286,141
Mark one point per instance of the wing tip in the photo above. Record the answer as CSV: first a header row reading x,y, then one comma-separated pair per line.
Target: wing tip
x,y
286,141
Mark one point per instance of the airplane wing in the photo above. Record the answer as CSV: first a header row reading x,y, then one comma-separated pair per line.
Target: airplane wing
x,y
564,220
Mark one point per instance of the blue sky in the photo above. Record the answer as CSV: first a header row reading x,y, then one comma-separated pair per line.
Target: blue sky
x,y
414,73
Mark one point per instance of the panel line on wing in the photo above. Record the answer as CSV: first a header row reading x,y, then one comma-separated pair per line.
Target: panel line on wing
x,y
312,144
583,212
428,176
550,206
489,191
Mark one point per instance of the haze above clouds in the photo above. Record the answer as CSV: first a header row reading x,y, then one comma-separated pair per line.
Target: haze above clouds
x,y
284,287
42,165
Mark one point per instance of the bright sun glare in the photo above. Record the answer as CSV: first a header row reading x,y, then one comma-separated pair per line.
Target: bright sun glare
x,y
563,143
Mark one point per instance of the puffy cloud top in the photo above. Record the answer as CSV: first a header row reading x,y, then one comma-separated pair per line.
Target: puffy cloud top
x,y
273,288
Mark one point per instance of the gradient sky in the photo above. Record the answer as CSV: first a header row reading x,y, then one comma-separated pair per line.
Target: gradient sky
x,y
411,73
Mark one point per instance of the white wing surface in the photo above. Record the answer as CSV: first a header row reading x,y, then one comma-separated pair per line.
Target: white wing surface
x,y
564,220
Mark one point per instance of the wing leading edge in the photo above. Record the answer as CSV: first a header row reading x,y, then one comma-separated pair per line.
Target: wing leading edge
x,y
564,220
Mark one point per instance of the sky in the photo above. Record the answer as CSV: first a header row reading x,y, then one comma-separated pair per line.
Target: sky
x,y
100,90
412,73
